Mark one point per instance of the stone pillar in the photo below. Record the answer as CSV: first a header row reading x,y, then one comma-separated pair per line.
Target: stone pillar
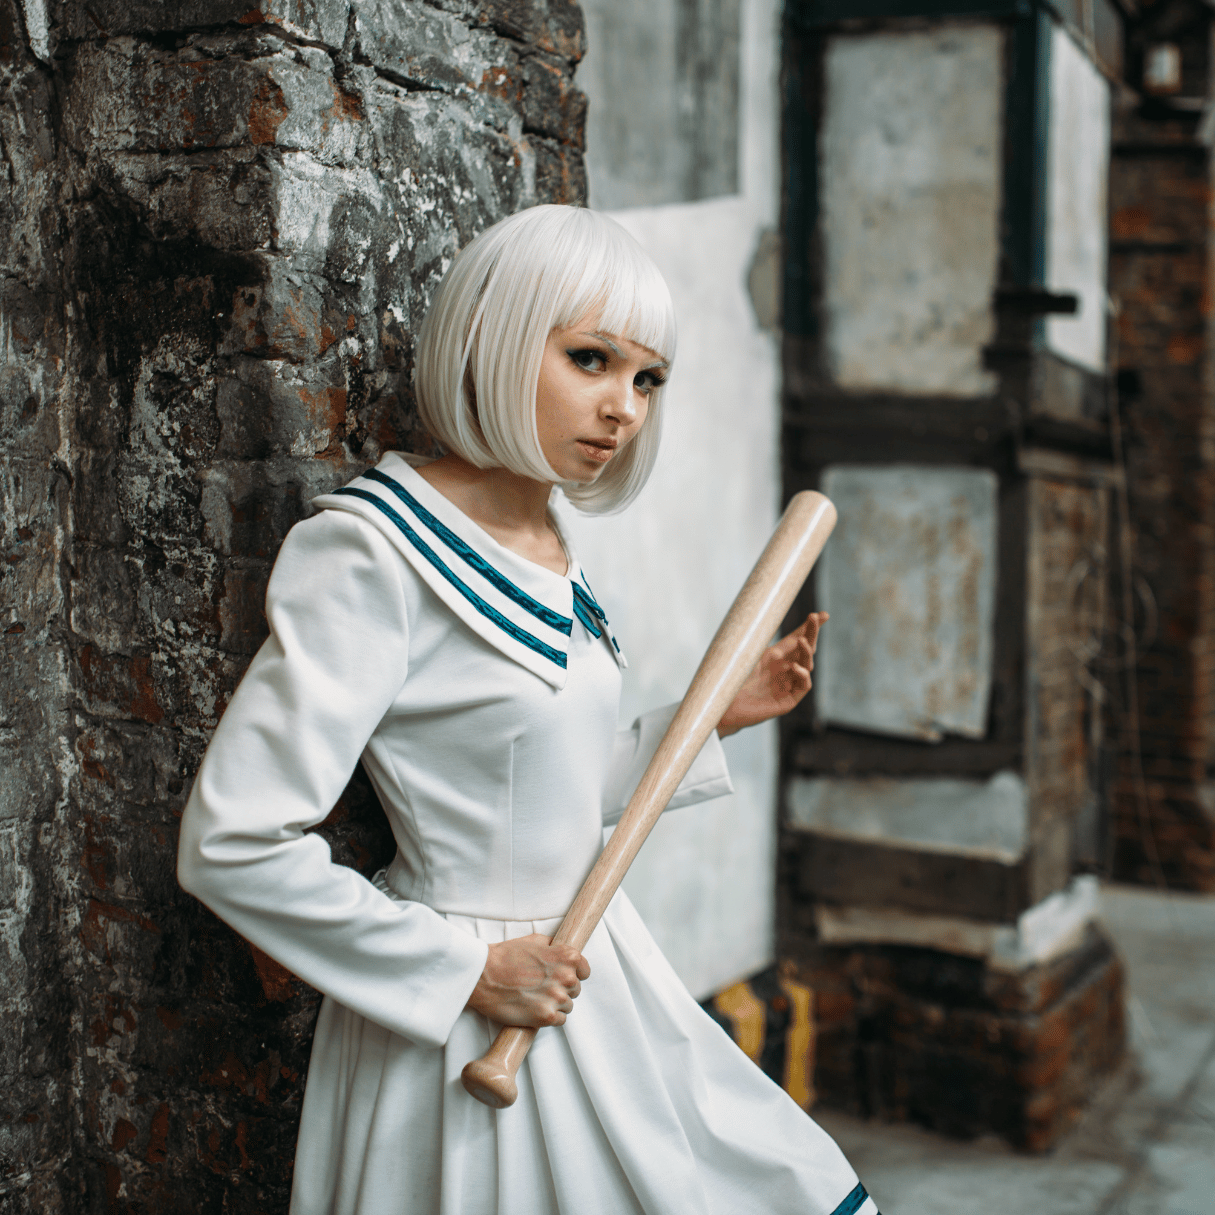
x,y
219,228
946,380
1160,273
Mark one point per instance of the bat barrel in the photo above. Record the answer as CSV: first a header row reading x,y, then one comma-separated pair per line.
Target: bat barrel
x,y
755,615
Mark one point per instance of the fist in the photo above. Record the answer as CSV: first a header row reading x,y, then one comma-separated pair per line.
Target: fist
x,y
529,982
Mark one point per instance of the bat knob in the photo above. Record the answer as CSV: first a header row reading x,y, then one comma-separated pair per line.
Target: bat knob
x,y
490,1083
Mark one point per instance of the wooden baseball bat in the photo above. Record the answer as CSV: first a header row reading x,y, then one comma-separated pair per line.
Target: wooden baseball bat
x,y
744,634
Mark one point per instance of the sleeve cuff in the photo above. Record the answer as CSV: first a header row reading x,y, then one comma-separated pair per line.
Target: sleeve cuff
x,y
707,778
441,995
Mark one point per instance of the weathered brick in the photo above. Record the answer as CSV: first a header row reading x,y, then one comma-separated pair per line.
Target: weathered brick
x,y
322,20
1160,269
213,265
218,92
931,1038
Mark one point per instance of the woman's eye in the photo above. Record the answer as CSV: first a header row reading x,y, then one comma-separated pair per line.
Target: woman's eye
x,y
647,381
588,360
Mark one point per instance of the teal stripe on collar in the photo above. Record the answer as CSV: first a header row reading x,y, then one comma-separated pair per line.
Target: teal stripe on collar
x,y
854,1201
587,617
494,577
490,613
582,593
587,600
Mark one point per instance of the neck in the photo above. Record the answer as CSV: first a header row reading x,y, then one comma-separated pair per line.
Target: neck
x,y
494,495
511,508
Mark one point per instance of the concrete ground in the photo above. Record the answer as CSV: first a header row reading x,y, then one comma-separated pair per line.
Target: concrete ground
x,y
1147,1144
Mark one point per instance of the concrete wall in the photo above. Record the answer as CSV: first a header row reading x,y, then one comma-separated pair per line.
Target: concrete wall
x,y
665,78
669,567
219,227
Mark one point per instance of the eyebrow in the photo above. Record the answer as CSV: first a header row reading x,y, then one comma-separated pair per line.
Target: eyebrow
x,y
607,341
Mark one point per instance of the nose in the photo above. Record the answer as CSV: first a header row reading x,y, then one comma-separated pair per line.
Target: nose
x,y
620,401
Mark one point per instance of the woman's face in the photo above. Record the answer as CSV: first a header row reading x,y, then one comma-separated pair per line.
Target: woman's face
x,y
592,397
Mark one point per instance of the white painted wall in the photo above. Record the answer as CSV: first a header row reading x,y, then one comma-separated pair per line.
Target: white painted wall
x,y
1078,160
669,567
911,175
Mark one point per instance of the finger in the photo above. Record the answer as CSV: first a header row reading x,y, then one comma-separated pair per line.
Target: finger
x,y
583,968
566,955
793,648
575,989
798,633
812,626
555,1000
807,629
799,655
781,649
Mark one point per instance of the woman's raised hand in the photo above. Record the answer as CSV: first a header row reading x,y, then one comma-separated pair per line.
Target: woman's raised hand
x,y
527,981
780,679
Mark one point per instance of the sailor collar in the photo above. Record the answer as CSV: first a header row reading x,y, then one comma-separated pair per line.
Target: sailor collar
x,y
522,609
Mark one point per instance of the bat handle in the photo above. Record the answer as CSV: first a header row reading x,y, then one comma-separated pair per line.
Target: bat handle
x,y
491,1079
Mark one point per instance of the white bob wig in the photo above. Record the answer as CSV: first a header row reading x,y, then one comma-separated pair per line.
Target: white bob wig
x,y
483,338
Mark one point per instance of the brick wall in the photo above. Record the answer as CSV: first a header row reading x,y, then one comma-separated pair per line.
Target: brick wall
x,y
219,227
907,1034
1160,272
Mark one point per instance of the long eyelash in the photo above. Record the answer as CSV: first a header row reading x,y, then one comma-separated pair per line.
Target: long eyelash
x,y
656,377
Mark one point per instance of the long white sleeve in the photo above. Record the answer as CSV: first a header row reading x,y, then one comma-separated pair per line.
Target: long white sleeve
x,y
707,778
336,657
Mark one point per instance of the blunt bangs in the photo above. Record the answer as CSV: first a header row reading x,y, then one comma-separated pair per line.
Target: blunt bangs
x,y
482,340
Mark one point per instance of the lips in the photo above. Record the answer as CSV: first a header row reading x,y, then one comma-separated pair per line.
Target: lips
x,y
599,450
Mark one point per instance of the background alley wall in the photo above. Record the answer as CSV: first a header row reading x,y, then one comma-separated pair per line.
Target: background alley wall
x,y
947,381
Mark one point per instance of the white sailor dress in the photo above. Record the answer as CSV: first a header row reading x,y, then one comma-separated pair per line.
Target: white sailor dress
x,y
481,692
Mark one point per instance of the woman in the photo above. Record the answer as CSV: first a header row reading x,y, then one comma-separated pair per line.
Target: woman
x,y
433,619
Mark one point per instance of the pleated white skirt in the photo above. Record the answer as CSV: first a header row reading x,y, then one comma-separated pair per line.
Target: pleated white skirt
x,y
639,1104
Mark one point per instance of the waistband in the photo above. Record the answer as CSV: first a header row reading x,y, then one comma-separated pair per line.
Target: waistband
x,y
395,877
